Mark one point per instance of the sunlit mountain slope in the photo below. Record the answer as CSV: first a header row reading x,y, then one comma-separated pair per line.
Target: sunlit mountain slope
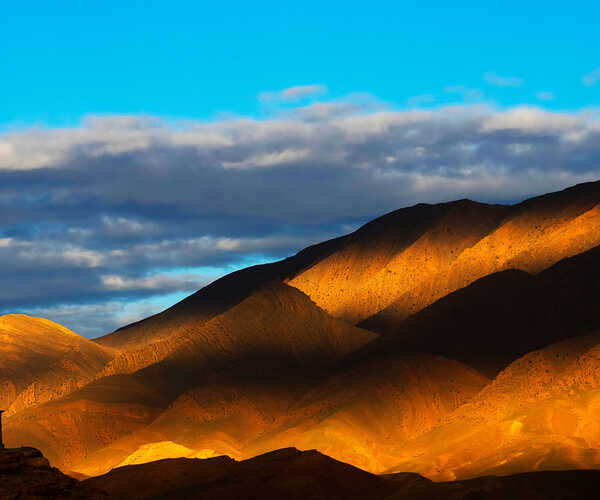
x,y
276,338
502,316
540,413
365,413
361,415
406,260
41,361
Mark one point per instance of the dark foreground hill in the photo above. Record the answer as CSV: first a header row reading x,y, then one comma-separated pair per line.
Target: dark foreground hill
x,y
25,474
309,475
288,473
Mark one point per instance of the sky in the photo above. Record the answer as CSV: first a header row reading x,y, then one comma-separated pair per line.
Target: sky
x,y
147,148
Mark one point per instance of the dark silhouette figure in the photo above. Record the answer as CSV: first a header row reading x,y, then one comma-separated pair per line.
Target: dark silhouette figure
x,y
1,442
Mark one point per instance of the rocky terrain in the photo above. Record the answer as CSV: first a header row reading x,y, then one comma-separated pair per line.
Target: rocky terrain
x,y
25,474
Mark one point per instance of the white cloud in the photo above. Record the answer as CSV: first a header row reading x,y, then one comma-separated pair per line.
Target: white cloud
x,y
82,257
159,282
494,78
301,92
124,226
534,120
280,158
294,93
591,78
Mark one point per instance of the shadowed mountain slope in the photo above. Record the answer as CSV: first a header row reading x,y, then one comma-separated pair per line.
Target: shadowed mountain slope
x,y
534,235
275,326
214,299
404,261
41,361
540,413
500,317
364,414
398,252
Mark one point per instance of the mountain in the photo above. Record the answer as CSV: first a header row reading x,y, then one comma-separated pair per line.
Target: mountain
x,y
533,235
406,260
276,340
364,413
359,415
41,361
540,413
505,315
214,299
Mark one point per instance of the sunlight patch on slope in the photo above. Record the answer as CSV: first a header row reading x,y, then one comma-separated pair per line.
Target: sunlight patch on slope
x,y
158,451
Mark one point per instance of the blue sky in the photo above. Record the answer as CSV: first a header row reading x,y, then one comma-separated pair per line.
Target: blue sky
x,y
147,148
63,59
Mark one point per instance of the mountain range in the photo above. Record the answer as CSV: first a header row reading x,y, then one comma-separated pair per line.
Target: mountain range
x,y
453,341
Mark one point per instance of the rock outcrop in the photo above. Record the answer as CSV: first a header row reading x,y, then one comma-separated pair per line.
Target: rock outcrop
x,y
26,475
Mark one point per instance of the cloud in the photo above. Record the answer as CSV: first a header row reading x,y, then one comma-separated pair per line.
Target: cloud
x,y
294,93
121,210
494,78
544,95
591,78
94,320
160,282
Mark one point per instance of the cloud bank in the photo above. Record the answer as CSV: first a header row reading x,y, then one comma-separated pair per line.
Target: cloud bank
x,y
104,219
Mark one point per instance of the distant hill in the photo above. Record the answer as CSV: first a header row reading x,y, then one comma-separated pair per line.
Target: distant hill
x,y
41,361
